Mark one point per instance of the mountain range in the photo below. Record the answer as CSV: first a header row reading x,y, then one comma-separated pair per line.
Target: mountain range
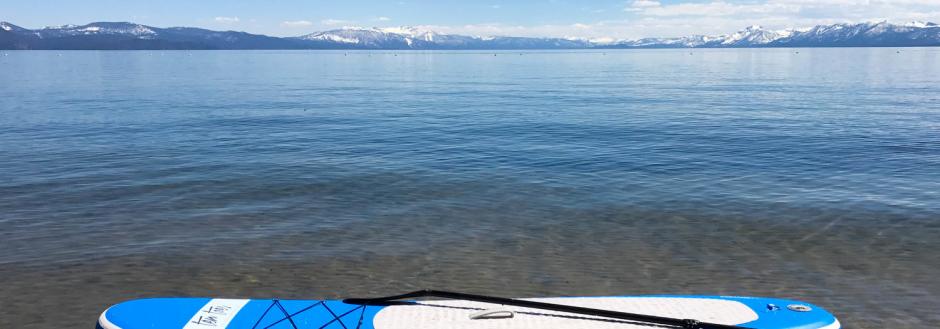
x,y
127,36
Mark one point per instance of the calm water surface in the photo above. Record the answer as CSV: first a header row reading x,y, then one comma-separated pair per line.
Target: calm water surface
x,y
812,175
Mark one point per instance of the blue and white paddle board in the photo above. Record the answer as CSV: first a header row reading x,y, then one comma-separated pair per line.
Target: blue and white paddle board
x,y
218,313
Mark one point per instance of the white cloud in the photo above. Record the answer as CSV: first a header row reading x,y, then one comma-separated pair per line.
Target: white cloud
x,y
797,9
720,8
226,20
295,24
658,18
652,18
645,3
334,22
713,18
640,5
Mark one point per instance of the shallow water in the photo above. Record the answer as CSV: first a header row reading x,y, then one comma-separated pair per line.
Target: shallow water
x,y
314,174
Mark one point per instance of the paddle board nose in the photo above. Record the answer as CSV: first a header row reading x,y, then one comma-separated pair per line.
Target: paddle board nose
x,y
785,313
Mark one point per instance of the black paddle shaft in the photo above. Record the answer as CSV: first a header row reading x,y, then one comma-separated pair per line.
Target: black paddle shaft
x,y
652,319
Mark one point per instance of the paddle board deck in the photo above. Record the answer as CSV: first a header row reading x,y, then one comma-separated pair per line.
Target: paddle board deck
x,y
216,313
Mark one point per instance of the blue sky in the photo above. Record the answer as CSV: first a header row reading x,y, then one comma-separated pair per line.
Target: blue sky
x,y
562,18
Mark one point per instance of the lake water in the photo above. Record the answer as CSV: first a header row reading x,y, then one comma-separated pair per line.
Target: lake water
x,y
811,174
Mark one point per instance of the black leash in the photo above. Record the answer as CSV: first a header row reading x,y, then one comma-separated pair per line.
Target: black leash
x,y
681,323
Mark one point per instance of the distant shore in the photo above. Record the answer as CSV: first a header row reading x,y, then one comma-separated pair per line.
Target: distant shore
x,y
132,36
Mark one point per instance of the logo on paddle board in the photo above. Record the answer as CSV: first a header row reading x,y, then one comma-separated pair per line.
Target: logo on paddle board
x,y
799,308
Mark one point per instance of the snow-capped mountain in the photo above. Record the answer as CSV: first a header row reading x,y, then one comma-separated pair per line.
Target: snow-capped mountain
x,y
103,28
418,33
407,37
345,35
864,34
121,35
4,26
680,42
373,38
873,34
10,36
753,35
749,37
